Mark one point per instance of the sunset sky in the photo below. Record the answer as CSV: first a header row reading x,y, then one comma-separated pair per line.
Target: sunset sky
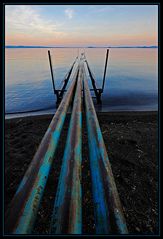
x,y
79,25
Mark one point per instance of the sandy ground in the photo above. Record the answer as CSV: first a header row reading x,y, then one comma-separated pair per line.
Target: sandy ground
x,y
131,142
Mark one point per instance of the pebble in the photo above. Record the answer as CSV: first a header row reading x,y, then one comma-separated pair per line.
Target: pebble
x,y
137,229
140,151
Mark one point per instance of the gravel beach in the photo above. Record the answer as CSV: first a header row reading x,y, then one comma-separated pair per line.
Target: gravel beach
x,y
131,140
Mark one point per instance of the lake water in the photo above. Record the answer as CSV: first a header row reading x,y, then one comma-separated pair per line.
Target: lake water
x,y
131,80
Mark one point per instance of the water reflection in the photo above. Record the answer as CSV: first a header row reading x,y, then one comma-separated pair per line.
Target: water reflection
x,y
131,82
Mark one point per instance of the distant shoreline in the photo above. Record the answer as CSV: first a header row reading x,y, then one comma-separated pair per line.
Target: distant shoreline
x,y
81,47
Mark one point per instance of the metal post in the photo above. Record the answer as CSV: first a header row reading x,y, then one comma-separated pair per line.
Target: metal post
x,y
51,69
97,94
22,211
106,61
60,95
67,216
107,207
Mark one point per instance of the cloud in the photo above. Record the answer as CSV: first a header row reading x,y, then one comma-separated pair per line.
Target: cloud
x,y
69,13
27,20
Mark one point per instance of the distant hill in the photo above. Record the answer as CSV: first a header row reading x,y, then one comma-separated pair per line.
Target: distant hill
x,y
124,47
29,47
10,46
134,47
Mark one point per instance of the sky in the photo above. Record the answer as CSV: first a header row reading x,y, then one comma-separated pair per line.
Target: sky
x,y
81,25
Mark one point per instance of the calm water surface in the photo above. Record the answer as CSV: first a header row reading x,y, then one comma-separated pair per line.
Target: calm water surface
x,y
131,81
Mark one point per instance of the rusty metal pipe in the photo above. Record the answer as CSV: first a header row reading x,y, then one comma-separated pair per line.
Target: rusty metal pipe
x,y
22,211
67,213
108,213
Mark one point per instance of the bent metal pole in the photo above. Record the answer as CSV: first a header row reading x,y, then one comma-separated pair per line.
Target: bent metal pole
x,y
22,211
107,207
67,215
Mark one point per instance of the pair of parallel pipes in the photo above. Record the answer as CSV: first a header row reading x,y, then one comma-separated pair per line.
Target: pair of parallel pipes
x,y
67,213
21,214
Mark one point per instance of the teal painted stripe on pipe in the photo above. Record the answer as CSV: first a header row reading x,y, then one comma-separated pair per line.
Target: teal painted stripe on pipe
x,y
108,213
22,211
67,213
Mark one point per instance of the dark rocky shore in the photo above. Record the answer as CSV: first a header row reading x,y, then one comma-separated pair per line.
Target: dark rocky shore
x,y
131,139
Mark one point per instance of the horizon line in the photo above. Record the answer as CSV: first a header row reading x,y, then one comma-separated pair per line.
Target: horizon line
x,y
89,46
